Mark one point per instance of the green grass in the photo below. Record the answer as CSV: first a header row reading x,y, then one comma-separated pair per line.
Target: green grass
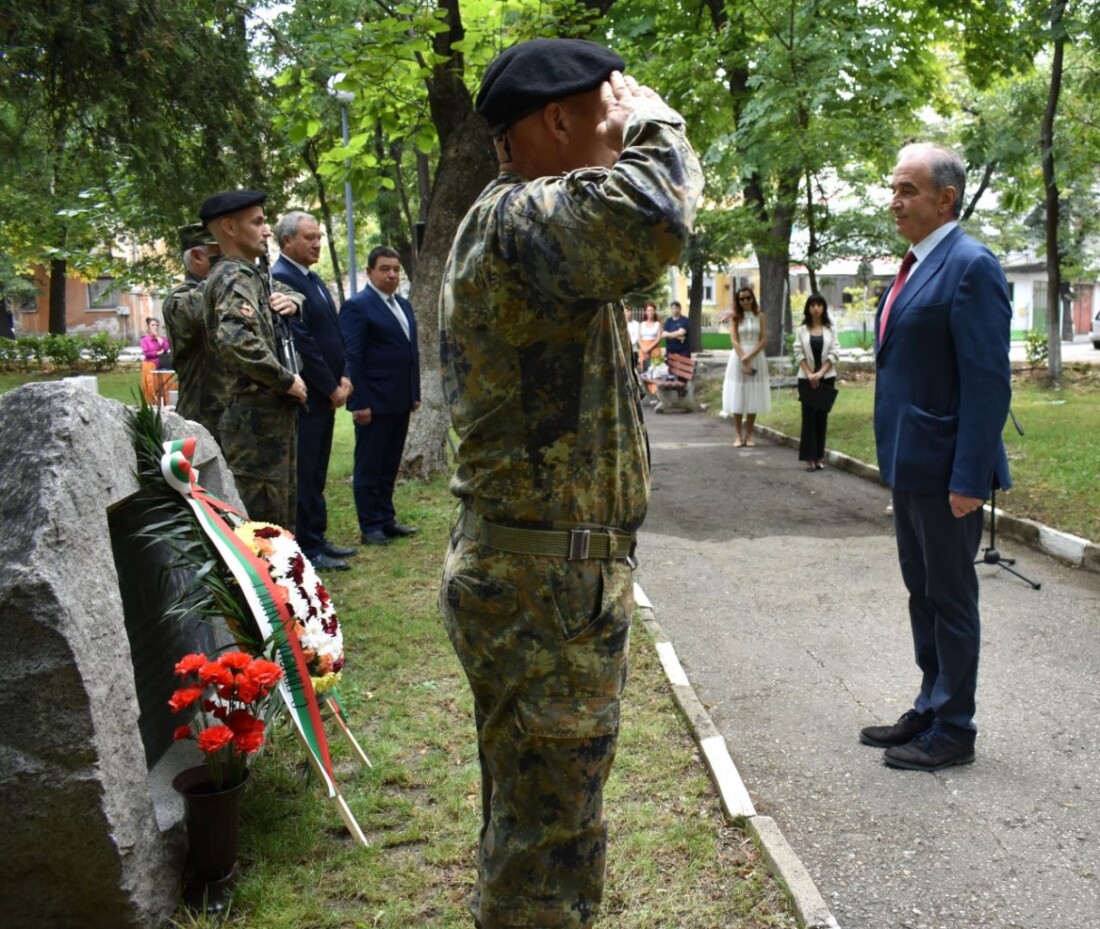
x,y
1055,465
674,862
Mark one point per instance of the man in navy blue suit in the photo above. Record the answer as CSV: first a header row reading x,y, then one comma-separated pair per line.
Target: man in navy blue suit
x,y
384,362
942,391
321,347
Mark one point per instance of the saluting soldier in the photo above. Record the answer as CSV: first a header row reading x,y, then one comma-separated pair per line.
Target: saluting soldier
x,y
552,468
199,373
259,426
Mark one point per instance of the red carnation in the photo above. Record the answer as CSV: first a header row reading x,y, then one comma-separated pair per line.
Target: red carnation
x,y
184,697
247,689
181,733
265,673
234,661
215,738
248,732
189,664
211,673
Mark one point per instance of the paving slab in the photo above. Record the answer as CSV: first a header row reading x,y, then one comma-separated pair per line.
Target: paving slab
x,y
780,594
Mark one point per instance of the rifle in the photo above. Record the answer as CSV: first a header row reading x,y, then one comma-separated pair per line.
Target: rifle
x,y
284,334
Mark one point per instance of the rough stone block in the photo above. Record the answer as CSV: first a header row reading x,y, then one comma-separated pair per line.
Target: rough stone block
x,y
80,843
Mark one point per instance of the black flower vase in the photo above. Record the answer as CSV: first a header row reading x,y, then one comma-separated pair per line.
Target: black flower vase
x,y
213,830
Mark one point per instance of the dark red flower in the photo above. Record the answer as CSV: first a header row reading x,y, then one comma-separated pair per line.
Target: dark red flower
x,y
181,733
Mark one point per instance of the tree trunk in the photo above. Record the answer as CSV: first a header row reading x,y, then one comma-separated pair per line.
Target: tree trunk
x,y
695,307
466,164
58,276
326,215
1053,203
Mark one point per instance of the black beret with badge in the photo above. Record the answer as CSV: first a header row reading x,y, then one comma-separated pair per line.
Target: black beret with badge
x,y
229,201
193,235
529,75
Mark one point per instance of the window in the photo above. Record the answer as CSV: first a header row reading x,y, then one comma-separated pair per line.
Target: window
x,y
102,294
708,288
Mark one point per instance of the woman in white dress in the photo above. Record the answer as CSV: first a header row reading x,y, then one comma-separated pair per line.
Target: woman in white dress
x,y
747,388
649,337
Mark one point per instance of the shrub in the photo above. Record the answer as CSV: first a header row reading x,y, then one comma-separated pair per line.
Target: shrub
x,y
1036,347
63,351
101,351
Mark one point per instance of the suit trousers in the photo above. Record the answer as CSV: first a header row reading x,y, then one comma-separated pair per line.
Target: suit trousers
x,y
315,429
379,446
936,552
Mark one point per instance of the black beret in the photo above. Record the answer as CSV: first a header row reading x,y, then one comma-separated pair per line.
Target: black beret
x,y
229,201
529,75
194,235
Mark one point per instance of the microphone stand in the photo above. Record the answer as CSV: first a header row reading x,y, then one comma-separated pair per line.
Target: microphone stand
x,y
991,555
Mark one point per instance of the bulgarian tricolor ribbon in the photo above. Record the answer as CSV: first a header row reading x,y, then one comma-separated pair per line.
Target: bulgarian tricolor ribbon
x,y
264,597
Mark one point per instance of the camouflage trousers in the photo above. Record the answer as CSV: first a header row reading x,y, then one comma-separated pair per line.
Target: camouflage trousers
x,y
260,444
544,643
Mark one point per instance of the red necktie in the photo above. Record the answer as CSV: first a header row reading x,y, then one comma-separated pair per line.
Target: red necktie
x,y
899,282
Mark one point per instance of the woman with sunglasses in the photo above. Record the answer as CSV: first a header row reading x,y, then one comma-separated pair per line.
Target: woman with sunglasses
x,y
747,388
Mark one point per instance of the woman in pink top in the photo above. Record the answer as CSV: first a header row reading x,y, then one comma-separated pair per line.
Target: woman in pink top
x,y
153,345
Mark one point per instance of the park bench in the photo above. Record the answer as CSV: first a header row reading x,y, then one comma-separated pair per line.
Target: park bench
x,y
676,392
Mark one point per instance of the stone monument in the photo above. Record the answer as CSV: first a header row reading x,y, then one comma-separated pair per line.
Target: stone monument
x,y
90,836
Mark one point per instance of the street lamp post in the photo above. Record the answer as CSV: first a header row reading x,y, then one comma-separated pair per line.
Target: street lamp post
x,y
345,98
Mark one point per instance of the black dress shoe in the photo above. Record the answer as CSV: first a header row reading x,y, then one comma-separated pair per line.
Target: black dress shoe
x,y
338,551
907,728
932,750
325,562
398,530
375,537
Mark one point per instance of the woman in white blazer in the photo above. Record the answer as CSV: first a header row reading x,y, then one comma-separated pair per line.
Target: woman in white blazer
x,y
816,354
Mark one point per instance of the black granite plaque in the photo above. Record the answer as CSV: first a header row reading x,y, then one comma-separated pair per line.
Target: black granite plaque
x,y
148,588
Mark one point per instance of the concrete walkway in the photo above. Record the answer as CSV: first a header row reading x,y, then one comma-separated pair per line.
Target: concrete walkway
x,y
780,593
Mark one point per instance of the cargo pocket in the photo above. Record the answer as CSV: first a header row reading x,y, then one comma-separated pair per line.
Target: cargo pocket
x,y
576,593
569,718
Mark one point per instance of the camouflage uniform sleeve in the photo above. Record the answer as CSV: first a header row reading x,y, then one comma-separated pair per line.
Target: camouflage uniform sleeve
x,y
298,298
244,336
623,225
182,313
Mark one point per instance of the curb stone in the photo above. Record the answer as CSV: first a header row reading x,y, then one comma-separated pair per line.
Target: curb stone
x,y
1071,549
810,909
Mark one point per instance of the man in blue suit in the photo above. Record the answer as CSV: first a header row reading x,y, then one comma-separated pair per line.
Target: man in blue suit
x,y
942,391
384,361
321,347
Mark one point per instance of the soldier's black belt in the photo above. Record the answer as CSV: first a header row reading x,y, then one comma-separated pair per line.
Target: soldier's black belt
x,y
571,544
268,401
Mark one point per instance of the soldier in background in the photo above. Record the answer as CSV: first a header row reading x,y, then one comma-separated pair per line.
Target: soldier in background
x,y
552,469
259,426
198,371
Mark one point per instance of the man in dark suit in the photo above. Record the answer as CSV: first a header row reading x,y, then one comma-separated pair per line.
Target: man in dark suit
x,y
942,393
384,361
321,347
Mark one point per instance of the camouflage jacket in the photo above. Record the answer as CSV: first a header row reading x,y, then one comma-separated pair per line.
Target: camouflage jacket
x,y
535,355
240,324
198,371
